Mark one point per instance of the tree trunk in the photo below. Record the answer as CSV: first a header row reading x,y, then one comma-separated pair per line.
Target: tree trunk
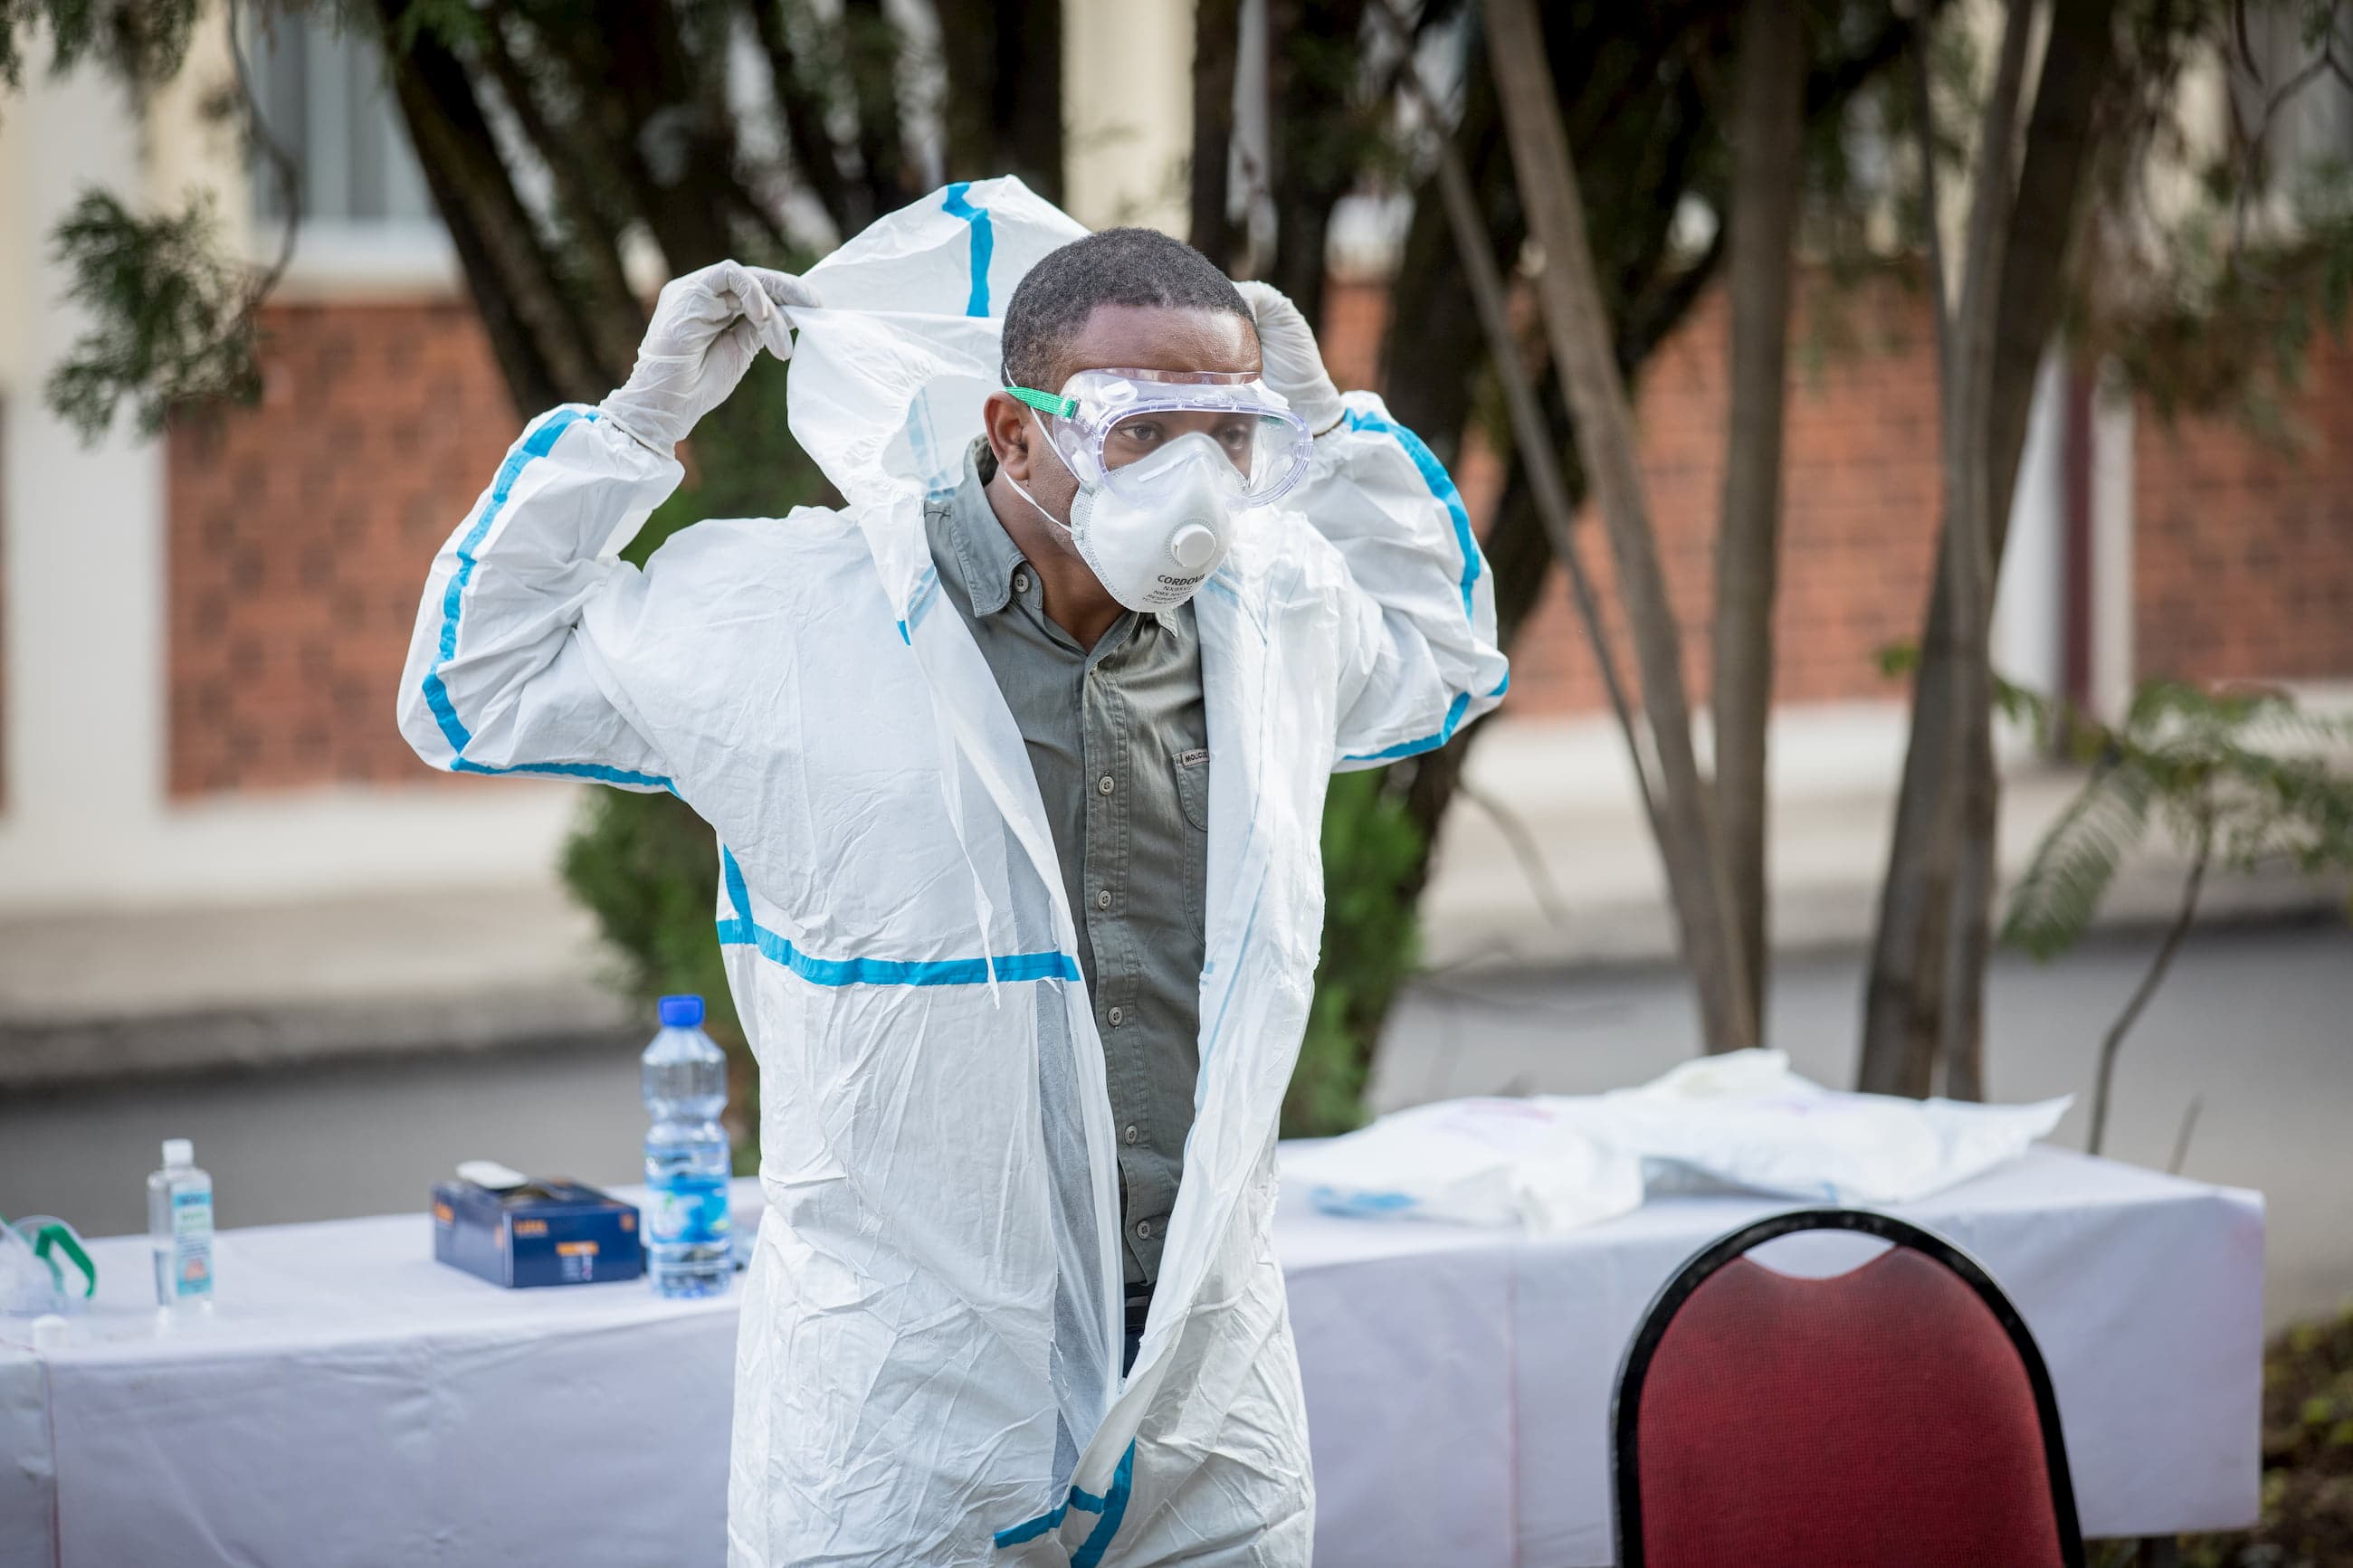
x,y
1316,137
1433,375
1004,109
672,147
1768,132
1963,1030
871,54
1968,539
2078,62
611,312
802,114
535,334
1970,507
1217,44
1583,356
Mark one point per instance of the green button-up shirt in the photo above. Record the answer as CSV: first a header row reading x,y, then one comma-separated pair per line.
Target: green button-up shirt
x,y
1117,736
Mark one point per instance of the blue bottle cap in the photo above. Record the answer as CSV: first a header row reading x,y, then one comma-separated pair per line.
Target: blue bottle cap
x,y
682,1012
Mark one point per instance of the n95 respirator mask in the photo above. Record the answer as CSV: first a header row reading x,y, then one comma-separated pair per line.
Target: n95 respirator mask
x,y
1164,463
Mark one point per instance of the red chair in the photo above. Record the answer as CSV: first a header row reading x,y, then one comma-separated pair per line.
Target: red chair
x,y
1896,1415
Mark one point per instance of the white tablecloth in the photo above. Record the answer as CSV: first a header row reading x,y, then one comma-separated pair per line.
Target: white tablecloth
x,y
351,1402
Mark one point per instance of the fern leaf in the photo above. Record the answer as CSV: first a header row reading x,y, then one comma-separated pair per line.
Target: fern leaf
x,y
2072,867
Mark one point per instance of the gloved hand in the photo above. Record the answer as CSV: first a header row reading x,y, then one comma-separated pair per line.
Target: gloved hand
x,y
707,327
1294,366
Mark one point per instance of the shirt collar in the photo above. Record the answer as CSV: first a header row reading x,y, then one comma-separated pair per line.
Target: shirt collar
x,y
986,558
985,554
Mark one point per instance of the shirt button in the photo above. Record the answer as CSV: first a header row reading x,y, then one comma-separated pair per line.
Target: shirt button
x,y
1128,1132
1144,1229
1022,582
1116,1014
1103,784
1103,899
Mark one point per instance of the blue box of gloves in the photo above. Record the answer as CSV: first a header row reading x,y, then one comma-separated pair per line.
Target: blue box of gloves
x,y
545,1232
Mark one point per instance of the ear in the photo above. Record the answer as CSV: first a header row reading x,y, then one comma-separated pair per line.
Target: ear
x,y
1006,419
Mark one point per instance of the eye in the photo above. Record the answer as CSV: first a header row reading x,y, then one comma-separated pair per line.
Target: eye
x,y
1234,435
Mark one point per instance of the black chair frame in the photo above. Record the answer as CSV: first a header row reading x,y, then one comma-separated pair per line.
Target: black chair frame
x,y
1626,1406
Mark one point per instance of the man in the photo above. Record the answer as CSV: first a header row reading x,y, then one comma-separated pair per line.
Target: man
x,y
1021,902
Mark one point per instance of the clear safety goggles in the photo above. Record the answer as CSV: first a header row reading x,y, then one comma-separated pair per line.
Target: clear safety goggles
x,y
1104,422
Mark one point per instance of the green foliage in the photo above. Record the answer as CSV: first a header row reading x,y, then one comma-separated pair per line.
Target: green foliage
x,y
2208,300
2077,860
1372,860
2307,1446
140,41
174,316
645,865
2242,774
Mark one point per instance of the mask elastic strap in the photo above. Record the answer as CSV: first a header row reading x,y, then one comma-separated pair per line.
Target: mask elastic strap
x,y
1022,490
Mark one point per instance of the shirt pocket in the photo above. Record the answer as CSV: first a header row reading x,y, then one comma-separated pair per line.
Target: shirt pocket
x,y
1193,799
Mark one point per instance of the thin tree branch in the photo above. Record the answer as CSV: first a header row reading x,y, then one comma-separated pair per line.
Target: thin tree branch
x,y
2181,1138
1584,359
1524,849
1531,437
2115,1038
281,162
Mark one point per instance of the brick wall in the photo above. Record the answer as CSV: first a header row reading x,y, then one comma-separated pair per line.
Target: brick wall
x,y
300,532
2242,560
299,536
1858,527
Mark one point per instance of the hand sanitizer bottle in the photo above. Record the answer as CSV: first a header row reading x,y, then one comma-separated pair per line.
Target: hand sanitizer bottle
x,y
180,1227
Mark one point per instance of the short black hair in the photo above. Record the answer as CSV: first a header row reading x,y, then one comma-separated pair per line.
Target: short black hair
x,y
1111,267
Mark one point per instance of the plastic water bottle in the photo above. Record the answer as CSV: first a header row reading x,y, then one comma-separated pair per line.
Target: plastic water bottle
x,y
180,1228
688,1250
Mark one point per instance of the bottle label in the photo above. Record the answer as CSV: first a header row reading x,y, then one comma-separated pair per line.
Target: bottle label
x,y
687,1207
192,1245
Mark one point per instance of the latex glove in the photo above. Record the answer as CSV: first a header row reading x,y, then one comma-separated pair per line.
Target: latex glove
x,y
1294,366
706,330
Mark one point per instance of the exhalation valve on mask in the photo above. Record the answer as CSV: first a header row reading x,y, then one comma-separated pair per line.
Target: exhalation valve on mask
x,y
1155,537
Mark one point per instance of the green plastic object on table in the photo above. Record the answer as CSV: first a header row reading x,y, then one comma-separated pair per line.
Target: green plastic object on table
x,y
32,1282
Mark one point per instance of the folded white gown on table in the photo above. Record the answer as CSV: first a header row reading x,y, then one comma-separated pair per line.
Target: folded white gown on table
x,y
1740,1120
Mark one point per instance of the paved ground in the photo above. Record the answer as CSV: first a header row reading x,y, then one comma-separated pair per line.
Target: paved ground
x,y
2256,1020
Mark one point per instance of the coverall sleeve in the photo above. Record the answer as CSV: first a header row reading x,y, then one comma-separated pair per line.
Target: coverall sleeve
x,y
1418,655
500,677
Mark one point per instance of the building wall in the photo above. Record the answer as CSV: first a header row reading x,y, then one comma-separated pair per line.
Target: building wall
x,y
2241,562
299,535
299,532
2243,551
1861,500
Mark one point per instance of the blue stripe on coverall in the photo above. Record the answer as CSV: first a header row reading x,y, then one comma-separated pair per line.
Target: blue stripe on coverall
x,y
1112,1506
1442,486
538,444
741,929
984,245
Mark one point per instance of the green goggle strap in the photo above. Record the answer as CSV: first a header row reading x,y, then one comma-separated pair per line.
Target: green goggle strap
x,y
58,1238
1046,401
61,1238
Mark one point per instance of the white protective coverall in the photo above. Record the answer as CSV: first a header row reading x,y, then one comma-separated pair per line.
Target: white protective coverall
x,y
928,1364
